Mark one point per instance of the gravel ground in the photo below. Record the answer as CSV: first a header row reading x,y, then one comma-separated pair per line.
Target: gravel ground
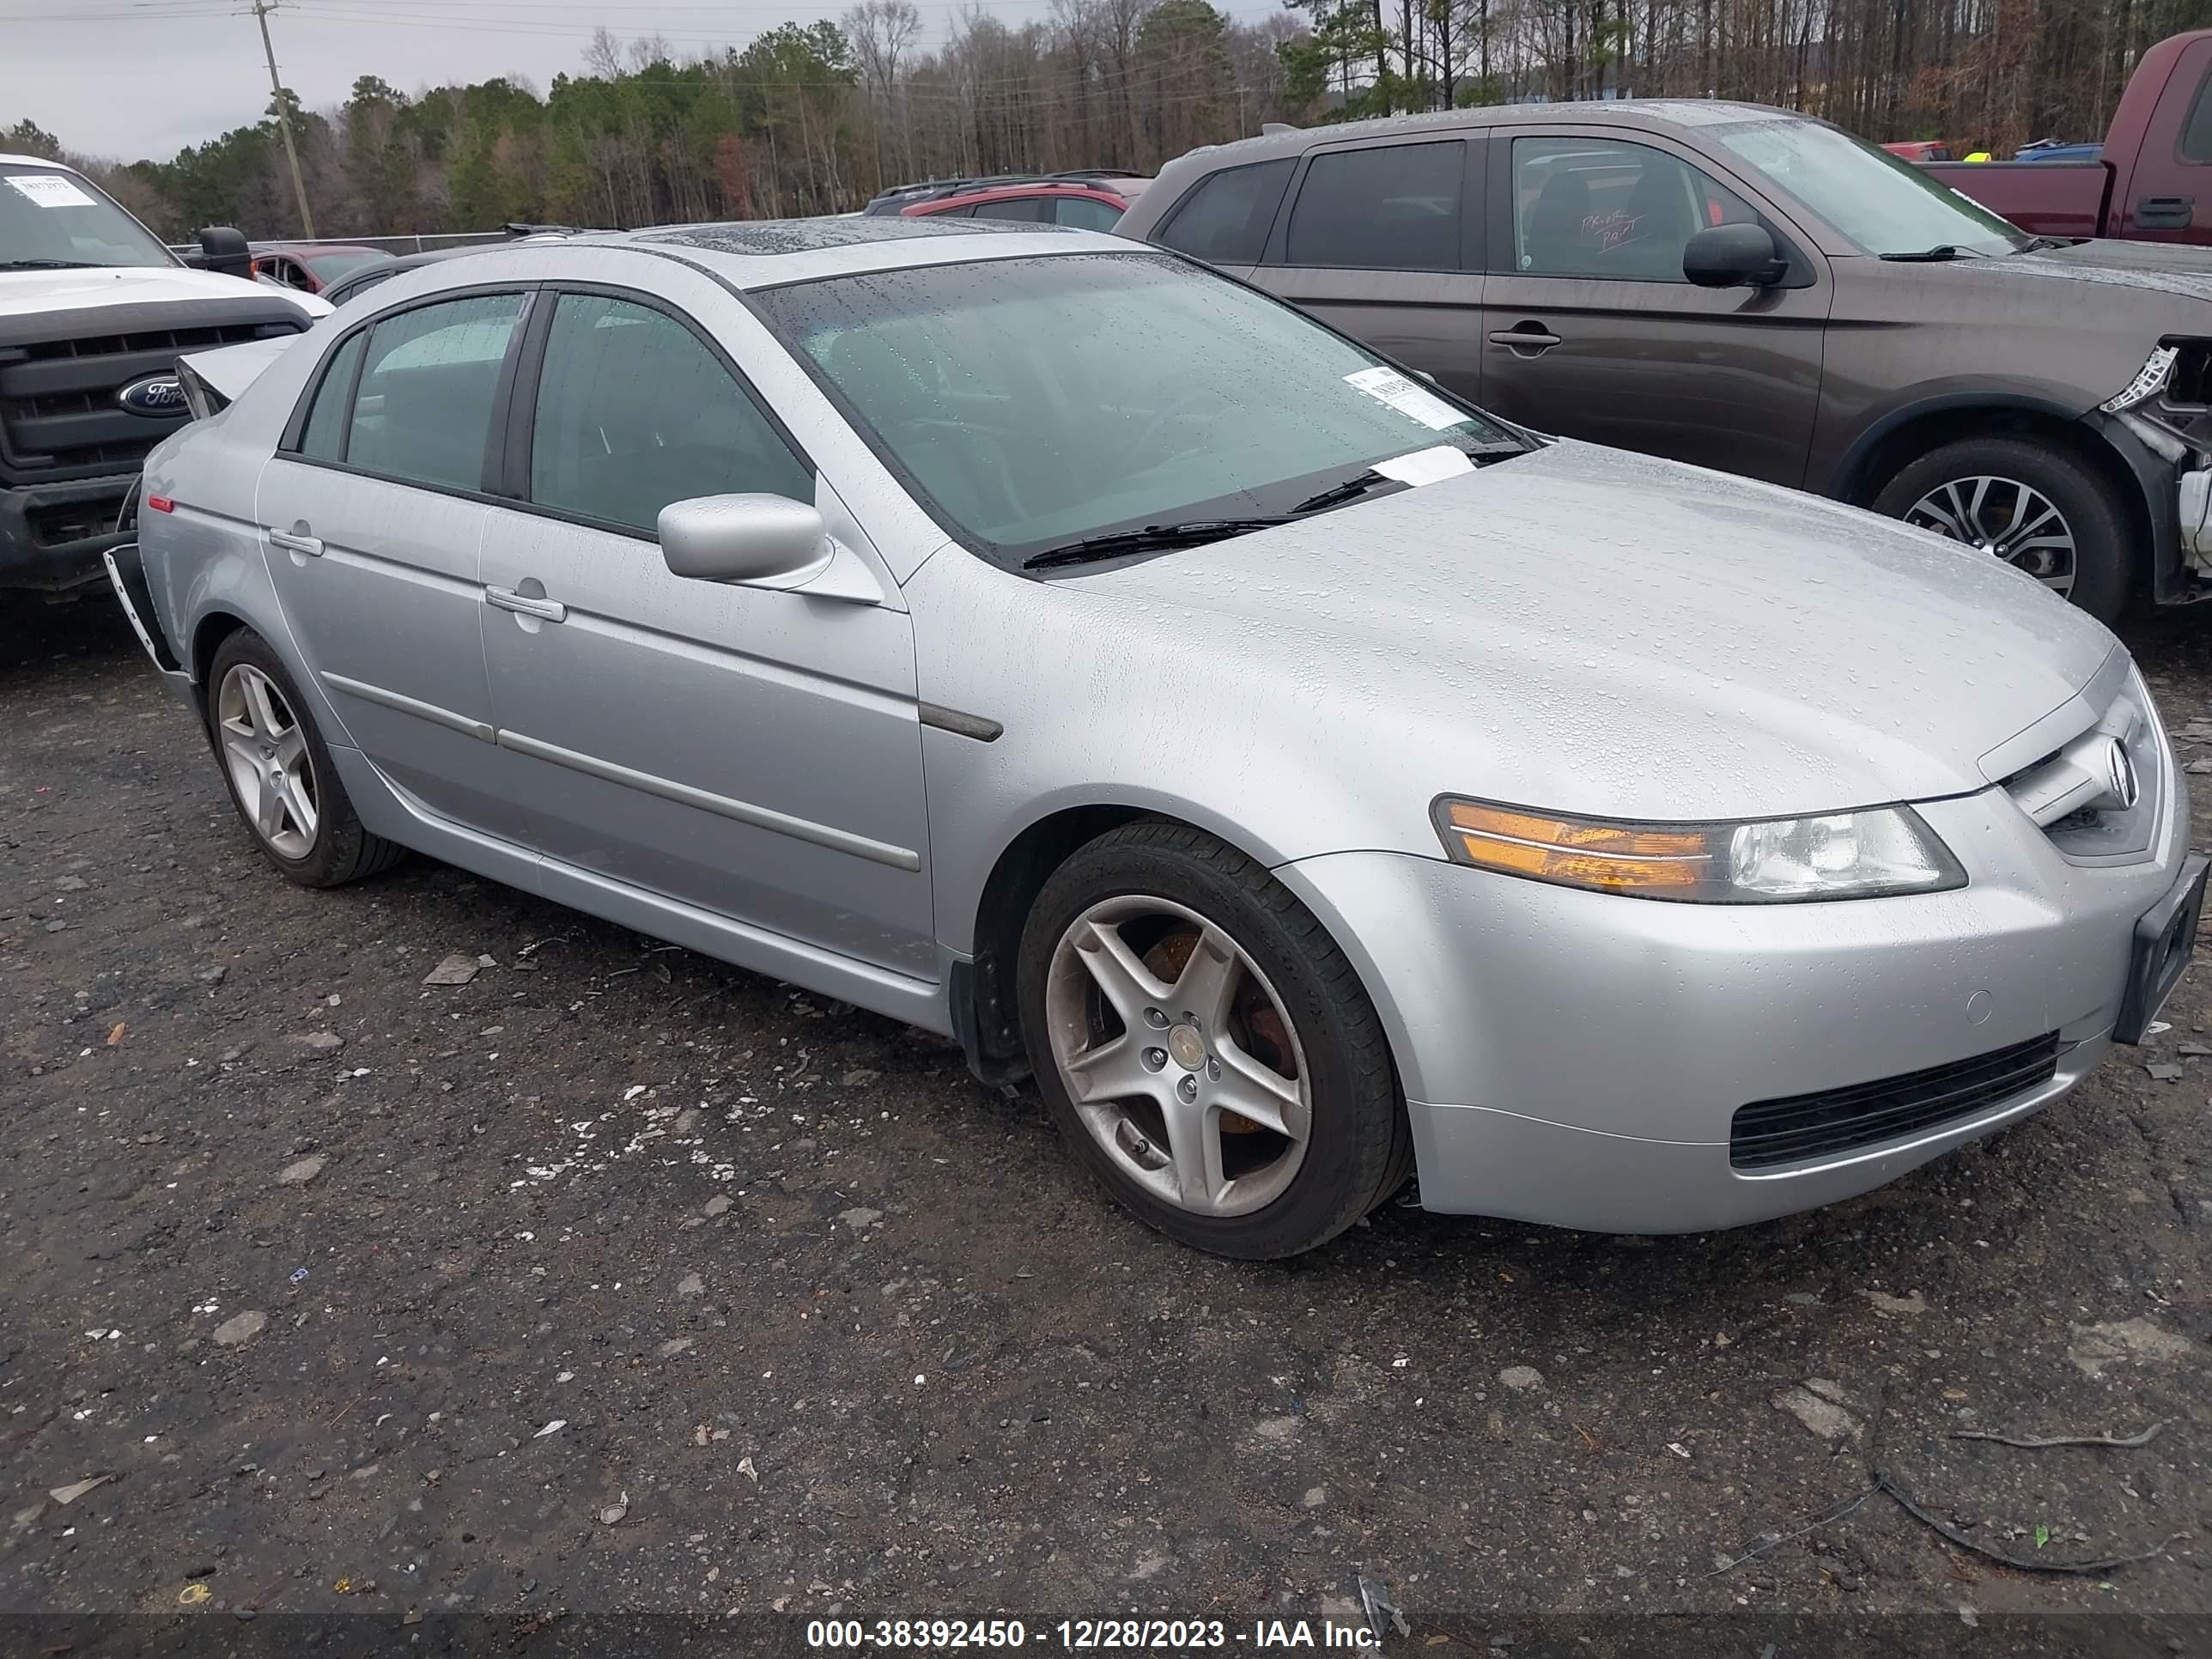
x,y
616,1278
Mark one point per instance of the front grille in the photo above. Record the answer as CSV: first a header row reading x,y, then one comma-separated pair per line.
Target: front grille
x,y
1804,1129
2070,793
58,416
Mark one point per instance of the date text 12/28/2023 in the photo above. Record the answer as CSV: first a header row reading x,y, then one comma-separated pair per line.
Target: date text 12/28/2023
x,y
1124,1635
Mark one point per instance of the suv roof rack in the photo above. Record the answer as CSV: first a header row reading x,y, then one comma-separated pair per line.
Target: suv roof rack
x,y
899,196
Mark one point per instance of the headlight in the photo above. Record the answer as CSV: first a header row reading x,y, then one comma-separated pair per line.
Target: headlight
x,y
1837,856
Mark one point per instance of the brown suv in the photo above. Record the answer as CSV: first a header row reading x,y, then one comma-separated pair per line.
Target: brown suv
x,y
1758,292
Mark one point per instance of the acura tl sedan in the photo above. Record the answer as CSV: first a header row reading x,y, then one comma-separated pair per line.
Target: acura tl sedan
x,y
1309,779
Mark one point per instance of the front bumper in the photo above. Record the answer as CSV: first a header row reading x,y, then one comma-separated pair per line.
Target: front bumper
x,y
52,536
1578,1059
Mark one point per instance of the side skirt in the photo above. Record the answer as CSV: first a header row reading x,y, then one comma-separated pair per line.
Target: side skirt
x,y
392,813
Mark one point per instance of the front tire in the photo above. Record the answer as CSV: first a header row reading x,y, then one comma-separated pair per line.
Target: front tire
x,y
1205,1048
279,773
2033,505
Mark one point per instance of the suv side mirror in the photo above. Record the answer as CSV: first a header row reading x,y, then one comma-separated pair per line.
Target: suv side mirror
x,y
767,541
223,249
1733,256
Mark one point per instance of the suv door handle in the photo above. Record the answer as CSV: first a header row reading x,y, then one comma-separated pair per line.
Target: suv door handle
x,y
2164,212
1528,337
507,598
310,545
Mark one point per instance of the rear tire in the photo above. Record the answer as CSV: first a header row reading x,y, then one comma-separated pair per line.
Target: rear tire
x,y
279,773
1205,1048
2033,504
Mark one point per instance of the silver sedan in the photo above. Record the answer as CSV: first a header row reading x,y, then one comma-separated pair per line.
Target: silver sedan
x,y
1307,778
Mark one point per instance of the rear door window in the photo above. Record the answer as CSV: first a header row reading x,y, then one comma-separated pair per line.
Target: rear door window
x,y
423,412
324,436
2197,136
634,412
1225,218
1391,207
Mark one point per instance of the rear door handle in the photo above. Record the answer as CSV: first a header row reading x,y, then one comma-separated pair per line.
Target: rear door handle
x,y
310,545
2165,212
507,598
1528,337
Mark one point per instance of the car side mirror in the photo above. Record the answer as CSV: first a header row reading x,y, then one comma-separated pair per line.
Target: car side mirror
x,y
1733,256
223,250
769,541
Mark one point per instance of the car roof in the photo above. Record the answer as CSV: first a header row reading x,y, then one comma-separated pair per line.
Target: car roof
x,y
756,253
38,162
1633,112
766,253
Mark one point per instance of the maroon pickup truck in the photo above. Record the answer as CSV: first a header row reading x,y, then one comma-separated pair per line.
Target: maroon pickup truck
x,y
2151,181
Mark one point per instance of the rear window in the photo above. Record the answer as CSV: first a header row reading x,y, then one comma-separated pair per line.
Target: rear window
x,y
1227,218
1085,212
1395,207
2197,136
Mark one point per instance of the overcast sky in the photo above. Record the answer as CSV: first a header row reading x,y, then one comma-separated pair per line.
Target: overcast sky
x,y
133,78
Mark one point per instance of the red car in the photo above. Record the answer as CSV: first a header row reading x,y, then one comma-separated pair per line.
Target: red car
x,y
1086,203
1925,150
311,267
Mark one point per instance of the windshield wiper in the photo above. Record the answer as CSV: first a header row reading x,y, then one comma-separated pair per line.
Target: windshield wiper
x,y
1936,255
48,265
1350,490
1152,538
1361,483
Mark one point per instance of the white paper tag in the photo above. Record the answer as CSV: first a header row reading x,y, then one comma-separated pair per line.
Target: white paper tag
x,y
49,189
1388,386
1426,467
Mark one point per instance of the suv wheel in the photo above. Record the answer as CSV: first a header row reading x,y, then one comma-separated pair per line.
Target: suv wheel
x,y
279,770
1205,1048
2032,505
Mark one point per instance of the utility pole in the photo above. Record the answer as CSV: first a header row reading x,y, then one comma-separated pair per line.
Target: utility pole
x,y
261,10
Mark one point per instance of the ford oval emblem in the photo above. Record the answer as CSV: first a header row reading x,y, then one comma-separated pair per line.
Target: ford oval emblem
x,y
156,397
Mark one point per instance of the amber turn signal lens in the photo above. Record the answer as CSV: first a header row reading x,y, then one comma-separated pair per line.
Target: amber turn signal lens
x,y
1613,857
1876,852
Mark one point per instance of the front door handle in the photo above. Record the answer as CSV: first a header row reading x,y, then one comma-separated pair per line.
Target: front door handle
x,y
310,545
1525,336
526,605
2164,212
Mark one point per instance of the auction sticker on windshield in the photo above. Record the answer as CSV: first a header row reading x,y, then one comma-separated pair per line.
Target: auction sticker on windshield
x,y
49,189
1388,386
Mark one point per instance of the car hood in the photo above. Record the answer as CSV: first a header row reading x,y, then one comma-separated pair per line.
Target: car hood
x,y
2158,268
1595,632
45,292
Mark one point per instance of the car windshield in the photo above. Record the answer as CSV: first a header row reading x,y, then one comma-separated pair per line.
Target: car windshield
x,y
1886,205
1034,403
53,219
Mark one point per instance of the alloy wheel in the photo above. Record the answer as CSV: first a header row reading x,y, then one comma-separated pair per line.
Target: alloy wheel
x,y
1179,1056
2019,524
266,751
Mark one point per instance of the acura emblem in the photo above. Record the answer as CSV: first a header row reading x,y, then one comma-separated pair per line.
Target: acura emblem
x,y
2120,787
156,397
